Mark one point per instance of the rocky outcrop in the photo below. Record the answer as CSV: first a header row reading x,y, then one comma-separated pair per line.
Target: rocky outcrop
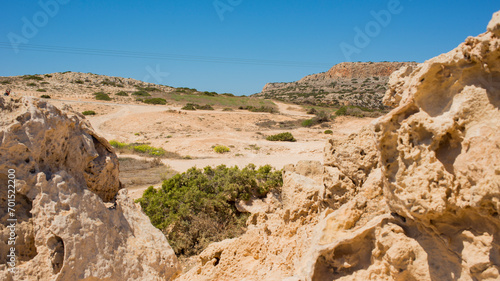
x,y
414,197
73,220
347,83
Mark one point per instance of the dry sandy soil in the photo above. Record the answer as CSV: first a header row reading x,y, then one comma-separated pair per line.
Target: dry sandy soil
x,y
192,134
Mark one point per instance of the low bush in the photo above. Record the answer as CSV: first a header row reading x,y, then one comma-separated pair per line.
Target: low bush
x,y
41,90
227,109
102,96
286,136
31,84
263,108
45,96
205,107
328,132
221,149
122,94
198,207
142,148
147,149
155,101
89,112
79,82
32,77
312,110
189,106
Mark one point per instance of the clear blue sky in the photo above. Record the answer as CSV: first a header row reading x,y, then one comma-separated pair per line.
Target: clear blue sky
x,y
235,49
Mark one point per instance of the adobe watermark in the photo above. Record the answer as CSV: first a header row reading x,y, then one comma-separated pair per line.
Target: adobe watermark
x,y
372,29
223,6
156,74
40,19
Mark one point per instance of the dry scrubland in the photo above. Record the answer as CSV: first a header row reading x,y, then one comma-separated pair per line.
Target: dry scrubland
x,y
412,196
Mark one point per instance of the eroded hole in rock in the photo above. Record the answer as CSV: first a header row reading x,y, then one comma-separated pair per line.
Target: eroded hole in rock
x,y
345,259
56,247
448,151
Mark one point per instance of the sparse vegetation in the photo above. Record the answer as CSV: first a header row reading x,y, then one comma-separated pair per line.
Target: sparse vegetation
x,y
321,117
32,77
197,207
45,96
31,84
41,90
142,148
102,96
155,101
89,112
262,108
189,106
286,136
79,82
122,94
328,132
141,93
221,149
5,82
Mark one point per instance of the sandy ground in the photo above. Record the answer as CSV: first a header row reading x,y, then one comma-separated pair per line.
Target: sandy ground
x,y
192,134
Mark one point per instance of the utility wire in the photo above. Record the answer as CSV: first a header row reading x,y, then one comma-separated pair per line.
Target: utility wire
x,y
147,55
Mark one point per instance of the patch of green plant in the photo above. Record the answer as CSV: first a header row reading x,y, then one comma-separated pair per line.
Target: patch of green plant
x,y
102,96
227,109
122,94
147,89
31,84
141,93
41,90
48,75
205,107
108,82
189,106
147,149
307,123
262,108
89,112
44,83
155,101
286,136
32,77
221,149
198,207
79,82
328,132
117,144
45,96
5,82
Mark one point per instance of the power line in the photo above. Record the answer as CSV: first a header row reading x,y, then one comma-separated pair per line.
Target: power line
x,y
161,56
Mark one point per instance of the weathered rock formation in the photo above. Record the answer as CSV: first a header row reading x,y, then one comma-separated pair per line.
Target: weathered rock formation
x,y
414,197
351,83
73,220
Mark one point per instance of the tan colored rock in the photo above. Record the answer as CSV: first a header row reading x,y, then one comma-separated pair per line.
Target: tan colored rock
x,y
74,222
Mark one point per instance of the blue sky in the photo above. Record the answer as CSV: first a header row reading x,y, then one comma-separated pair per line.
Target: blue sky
x,y
233,46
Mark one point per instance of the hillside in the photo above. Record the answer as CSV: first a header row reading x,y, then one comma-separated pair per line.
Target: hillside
x,y
348,83
84,86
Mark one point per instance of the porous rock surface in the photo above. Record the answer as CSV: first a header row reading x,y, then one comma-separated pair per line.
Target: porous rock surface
x,y
74,221
414,197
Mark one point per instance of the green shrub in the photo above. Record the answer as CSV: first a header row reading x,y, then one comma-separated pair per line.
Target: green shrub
x,y
221,149
155,101
44,83
102,96
205,107
32,77
263,108
117,144
89,112
281,137
79,82
190,106
341,111
198,207
227,109
5,82
122,94
31,85
45,96
312,110
141,93
41,90
329,132
146,149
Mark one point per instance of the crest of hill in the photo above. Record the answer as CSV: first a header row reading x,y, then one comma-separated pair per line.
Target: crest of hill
x,y
348,83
